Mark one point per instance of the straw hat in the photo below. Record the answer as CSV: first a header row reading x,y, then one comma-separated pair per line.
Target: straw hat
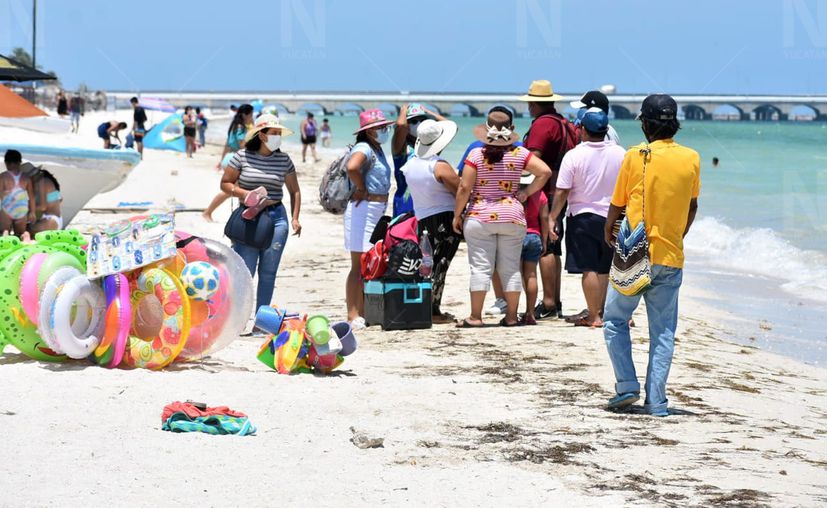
x,y
266,121
370,119
541,91
496,130
433,137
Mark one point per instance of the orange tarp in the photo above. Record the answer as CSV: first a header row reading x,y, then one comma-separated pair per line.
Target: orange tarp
x,y
14,106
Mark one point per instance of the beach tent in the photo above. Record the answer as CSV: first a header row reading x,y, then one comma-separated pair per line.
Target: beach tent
x,y
14,106
12,70
167,135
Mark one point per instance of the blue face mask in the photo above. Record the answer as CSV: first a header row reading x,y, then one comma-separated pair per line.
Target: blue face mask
x,y
383,135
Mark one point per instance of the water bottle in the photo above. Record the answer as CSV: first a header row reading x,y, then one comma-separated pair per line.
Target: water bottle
x,y
427,255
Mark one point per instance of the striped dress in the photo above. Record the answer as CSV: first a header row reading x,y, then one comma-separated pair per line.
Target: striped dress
x,y
268,171
493,197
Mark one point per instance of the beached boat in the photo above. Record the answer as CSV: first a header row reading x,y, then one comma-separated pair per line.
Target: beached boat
x,y
82,172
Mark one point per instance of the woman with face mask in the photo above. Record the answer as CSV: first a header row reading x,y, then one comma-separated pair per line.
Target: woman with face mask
x,y
256,175
370,175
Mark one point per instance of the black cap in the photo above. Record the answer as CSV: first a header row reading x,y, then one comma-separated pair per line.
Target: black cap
x,y
593,99
658,106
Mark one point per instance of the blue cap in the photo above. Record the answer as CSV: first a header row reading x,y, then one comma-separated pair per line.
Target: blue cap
x,y
595,121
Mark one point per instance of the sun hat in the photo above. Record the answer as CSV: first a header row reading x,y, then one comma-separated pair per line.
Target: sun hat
x,y
526,178
592,99
496,130
415,109
658,106
266,121
433,137
370,119
541,91
595,121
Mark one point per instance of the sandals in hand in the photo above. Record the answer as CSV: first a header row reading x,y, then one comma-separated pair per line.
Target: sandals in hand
x,y
254,202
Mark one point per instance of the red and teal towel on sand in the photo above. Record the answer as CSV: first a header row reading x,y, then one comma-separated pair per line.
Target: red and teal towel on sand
x,y
185,417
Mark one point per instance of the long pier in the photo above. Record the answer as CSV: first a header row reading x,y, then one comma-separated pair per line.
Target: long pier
x,y
694,107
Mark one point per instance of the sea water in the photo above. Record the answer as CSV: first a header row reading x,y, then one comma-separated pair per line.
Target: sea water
x,y
758,249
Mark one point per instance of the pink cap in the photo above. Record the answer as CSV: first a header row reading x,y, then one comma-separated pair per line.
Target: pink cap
x,y
372,118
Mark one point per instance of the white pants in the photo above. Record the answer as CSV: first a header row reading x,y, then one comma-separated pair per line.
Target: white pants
x,y
360,221
493,245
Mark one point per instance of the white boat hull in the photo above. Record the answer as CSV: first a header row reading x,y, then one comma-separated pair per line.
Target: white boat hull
x,y
83,173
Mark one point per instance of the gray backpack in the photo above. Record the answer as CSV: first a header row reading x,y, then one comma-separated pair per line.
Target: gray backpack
x,y
336,188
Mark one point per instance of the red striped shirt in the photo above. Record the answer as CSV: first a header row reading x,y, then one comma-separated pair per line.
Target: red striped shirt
x,y
493,198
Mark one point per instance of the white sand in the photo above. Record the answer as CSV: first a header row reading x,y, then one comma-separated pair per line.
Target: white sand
x,y
483,417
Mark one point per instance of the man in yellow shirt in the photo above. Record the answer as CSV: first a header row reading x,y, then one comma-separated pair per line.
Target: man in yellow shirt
x,y
671,188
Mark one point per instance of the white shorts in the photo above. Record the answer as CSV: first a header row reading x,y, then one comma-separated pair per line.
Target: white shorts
x,y
360,222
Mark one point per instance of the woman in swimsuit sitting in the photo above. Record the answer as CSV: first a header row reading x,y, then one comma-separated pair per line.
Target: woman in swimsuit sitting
x,y
48,198
17,195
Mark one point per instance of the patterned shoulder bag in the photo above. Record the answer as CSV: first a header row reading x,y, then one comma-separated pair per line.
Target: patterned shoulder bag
x,y
631,271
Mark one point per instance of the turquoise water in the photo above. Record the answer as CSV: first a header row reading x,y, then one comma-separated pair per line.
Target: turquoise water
x,y
759,245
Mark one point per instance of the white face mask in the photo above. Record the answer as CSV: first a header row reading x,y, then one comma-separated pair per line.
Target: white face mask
x,y
382,136
413,128
273,142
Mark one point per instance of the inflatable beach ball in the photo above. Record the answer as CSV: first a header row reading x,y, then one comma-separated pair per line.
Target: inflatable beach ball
x,y
200,280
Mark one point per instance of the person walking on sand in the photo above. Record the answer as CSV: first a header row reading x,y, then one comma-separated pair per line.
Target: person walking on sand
x,y
549,138
202,127
62,104
76,110
370,175
138,125
18,201
433,184
494,223
308,129
404,137
257,175
236,134
108,130
658,186
190,123
326,133
586,181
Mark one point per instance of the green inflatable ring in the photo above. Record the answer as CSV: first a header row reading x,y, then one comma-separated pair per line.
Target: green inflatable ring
x,y
15,327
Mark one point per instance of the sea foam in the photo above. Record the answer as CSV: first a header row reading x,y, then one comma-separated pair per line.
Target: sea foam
x,y
759,251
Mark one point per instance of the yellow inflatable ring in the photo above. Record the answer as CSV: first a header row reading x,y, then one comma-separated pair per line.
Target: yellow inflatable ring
x,y
160,350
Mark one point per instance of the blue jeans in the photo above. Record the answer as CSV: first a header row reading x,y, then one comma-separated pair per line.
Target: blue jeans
x,y
267,259
662,310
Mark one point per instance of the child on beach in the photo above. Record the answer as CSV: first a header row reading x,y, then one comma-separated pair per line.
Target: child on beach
x,y
17,195
537,232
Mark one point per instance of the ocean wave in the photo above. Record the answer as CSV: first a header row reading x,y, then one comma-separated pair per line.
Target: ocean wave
x,y
759,251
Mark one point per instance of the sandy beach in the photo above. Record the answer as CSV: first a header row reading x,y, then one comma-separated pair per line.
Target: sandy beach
x,y
485,417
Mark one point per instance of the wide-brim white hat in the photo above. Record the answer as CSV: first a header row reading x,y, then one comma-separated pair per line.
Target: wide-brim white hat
x,y
433,137
266,121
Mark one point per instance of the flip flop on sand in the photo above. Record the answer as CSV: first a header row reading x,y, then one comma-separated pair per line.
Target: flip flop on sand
x,y
506,324
622,400
584,321
466,324
444,318
575,317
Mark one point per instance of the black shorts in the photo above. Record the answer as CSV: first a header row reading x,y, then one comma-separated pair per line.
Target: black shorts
x,y
189,132
556,248
309,140
586,247
138,134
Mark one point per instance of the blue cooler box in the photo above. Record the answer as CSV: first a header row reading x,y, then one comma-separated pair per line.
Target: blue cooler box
x,y
398,305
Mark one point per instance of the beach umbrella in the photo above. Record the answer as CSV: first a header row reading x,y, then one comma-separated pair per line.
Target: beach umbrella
x,y
156,104
12,70
14,106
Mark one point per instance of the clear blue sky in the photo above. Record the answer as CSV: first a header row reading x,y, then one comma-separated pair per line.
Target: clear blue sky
x,y
712,46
